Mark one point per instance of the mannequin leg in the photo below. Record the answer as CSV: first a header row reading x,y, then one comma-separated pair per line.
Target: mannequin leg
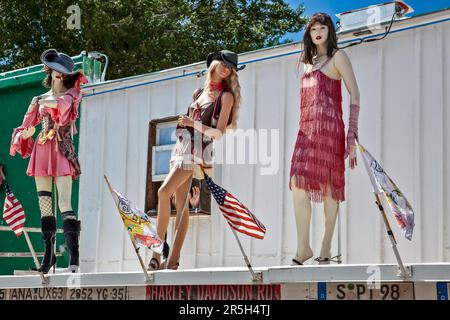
x,y
71,225
173,181
48,222
302,208
44,192
180,196
331,209
64,187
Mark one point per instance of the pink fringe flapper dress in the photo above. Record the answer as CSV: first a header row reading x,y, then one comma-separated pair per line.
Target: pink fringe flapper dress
x,y
318,159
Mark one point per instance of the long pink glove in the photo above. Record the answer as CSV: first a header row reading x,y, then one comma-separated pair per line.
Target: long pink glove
x,y
352,135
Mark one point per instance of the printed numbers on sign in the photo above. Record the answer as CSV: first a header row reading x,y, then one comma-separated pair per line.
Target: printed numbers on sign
x,y
113,293
361,291
81,294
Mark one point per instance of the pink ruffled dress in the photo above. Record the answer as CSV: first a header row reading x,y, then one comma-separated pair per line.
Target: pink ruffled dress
x,y
318,159
46,155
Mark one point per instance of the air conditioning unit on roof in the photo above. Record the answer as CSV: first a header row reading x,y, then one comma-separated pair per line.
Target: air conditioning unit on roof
x,y
369,18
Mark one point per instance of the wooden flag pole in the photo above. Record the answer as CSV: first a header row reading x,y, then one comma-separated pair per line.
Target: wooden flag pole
x,y
148,279
403,272
30,246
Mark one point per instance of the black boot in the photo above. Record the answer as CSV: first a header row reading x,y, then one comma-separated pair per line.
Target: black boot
x,y
48,226
72,230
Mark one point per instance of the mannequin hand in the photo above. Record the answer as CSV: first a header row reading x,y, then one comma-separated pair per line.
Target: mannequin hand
x,y
28,132
352,160
351,149
195,199
185,121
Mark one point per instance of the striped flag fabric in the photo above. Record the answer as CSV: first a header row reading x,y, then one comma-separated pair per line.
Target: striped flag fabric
x,y
237,215
13,212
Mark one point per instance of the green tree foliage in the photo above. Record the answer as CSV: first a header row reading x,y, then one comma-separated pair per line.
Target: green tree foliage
x,y
142,36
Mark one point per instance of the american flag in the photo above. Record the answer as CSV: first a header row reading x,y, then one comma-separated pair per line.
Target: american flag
x,y
13,212
238,216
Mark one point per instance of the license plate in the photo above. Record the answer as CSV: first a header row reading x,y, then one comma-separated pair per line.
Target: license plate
x,y
364,291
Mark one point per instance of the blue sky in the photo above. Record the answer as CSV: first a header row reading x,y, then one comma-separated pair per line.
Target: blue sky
x,y
337,6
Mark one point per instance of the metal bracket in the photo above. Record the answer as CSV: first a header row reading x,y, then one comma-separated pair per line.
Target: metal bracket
x,y
408,274
257,277
45,281
150,278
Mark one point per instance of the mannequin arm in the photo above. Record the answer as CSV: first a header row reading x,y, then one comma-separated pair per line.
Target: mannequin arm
x,y
344,66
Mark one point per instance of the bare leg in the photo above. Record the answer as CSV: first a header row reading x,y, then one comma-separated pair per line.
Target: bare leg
x,y
173,181
302,208
180,197
64,187
331,209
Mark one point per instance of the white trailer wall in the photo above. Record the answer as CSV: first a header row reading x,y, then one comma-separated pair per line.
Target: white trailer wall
x,y
404,85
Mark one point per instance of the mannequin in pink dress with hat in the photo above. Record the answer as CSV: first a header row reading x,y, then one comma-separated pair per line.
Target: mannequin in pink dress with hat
x,y
318,161
52,155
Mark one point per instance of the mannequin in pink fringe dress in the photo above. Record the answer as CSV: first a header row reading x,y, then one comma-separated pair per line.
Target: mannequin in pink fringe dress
x,y
318,160
52,155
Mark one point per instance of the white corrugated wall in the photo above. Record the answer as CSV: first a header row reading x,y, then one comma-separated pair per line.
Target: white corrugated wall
x,y
404,85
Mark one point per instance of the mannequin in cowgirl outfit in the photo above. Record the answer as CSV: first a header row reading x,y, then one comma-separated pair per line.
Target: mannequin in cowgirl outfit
x,y
214,108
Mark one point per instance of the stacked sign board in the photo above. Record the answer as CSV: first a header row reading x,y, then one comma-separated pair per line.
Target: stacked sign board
x,y
294,291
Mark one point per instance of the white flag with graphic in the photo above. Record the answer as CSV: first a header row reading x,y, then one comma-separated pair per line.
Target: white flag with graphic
x,y
398,203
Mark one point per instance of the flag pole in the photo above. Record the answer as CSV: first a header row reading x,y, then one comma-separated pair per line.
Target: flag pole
x,y
255,276
30,246
186,204
35,259
148,279
403,272
339,255
55,210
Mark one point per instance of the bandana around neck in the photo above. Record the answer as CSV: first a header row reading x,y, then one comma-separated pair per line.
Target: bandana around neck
x,y
217,86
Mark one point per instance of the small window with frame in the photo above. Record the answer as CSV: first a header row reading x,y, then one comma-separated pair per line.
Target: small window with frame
x,y
161,142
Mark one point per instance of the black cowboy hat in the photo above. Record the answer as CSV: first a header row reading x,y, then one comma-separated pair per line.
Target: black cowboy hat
x,y
58,61
228,57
